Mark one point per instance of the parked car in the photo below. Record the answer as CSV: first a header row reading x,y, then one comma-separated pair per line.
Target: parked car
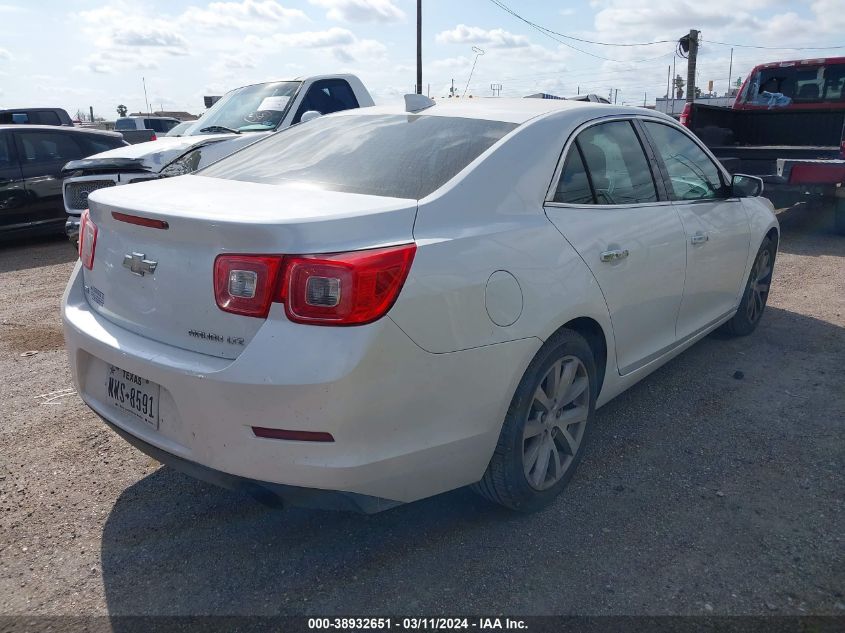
x,y
35,116
179,130
787,126
31,161
386,304
141,129
242,116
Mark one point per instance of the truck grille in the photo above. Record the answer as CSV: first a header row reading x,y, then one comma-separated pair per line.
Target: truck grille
x,y
76,193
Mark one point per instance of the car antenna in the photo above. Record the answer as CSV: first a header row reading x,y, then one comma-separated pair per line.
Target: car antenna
x,y
415,102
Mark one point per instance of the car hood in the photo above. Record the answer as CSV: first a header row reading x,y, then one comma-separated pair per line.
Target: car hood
x,y
154,156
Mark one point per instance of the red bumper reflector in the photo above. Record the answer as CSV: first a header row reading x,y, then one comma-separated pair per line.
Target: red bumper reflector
x,y
135,219
299,436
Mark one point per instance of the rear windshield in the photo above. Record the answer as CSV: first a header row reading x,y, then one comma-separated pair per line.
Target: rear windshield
x,y
783,85
398,156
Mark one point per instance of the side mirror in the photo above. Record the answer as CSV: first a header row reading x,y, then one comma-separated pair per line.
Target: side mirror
x,y
310,114
743,186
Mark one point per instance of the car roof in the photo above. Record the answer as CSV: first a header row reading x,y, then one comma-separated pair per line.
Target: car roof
x,y
500,109
53,128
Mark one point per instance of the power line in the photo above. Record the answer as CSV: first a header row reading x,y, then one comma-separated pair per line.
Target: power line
x,y
550,32
504,7
779,48
553,35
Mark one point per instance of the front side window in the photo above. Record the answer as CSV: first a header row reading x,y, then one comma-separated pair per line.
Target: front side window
x,y
327,96
692,174
398,156
46,147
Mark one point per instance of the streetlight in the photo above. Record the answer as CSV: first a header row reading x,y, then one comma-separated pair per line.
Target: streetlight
x,y
478,53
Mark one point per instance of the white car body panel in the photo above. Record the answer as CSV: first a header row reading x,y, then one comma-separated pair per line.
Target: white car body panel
x,y
416,400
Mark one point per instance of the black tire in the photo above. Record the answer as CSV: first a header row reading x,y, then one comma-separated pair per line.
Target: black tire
x,y
747,316
505,481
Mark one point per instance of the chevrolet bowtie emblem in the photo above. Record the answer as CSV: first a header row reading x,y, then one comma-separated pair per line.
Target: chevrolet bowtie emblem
x,y
137,265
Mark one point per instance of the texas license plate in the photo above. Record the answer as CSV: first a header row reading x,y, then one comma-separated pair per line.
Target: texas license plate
x,y
133,394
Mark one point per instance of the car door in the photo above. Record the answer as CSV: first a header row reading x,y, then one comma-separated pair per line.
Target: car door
x,y
716,226
609,204
42,155
13,211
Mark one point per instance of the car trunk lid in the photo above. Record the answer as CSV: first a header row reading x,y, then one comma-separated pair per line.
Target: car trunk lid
x,y
158,282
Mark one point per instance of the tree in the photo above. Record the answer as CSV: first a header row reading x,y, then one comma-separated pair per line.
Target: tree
x,y
121,110
697,92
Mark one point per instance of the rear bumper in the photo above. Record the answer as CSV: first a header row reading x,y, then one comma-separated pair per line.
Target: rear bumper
x,y
407,424
264,491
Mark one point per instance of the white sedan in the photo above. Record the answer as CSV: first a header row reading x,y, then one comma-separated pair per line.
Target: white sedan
x,y
381,305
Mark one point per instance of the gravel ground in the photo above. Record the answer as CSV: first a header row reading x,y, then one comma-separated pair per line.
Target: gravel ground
x,y
715,486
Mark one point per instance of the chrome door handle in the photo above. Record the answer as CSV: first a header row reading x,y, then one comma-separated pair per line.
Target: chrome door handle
x,y
612,256
699,238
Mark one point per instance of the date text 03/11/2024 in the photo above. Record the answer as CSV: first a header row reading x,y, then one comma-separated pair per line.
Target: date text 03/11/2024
x,y
415,624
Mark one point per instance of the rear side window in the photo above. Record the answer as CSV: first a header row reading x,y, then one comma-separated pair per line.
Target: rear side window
x,y
5,152
159,125
619,171
125,124
94,144
327,96
574,186
399,156
46,147
693,176
45,117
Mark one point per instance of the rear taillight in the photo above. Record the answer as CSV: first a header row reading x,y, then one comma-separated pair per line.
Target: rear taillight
x,y
337,289
842,150
245,284
87,239
686,116
153,137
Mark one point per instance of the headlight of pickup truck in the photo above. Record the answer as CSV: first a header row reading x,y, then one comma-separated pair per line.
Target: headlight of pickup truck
x,y
184,165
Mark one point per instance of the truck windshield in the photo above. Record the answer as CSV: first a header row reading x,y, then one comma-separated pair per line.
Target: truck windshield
x,y
784,85
397,156
255,108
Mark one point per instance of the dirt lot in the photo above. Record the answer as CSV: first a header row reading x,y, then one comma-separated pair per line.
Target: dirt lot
x,y
705,490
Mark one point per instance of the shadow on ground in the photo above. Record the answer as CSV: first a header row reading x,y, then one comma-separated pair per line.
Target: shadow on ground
x,y
697,489
22,254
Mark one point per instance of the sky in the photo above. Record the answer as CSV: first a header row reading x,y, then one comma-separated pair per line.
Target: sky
x,y
80,53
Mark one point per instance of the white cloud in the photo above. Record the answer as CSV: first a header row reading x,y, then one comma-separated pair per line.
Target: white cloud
x,y
4,54
361,10
463,34
344,45
249,15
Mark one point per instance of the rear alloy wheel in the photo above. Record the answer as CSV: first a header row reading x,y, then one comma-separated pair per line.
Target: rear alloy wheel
x,y
756,293
542,439
556,422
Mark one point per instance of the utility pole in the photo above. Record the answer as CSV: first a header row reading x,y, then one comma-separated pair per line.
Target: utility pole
x,y
691,61
730,73
452,91
91,110
668,85
645,97
674,57
419,47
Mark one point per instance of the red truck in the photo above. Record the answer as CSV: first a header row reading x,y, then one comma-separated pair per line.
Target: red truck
x,y
787,126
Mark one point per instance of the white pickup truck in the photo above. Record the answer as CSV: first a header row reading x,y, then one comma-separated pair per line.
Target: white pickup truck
x,y
241,117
